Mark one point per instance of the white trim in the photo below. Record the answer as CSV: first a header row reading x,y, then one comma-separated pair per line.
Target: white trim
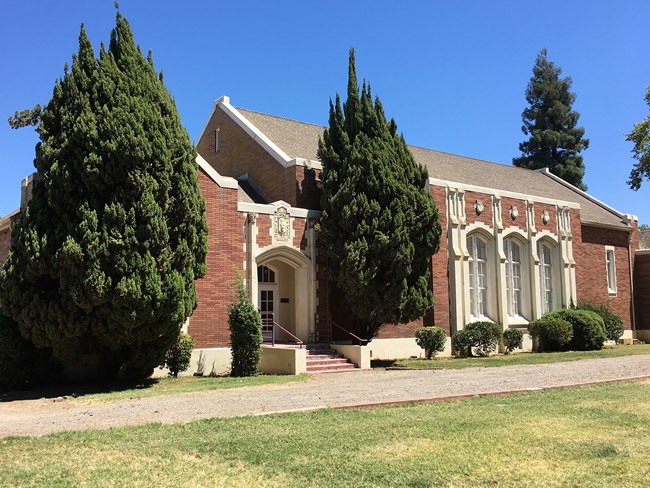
x,y
307,163
270,208
545,171
612,290
642,252
492,191
620,228
222,181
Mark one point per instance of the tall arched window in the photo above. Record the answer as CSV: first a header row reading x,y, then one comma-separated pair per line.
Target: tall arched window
x,y
514,280
546,277
478,276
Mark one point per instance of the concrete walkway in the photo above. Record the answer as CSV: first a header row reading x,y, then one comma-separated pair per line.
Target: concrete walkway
x,y
43,416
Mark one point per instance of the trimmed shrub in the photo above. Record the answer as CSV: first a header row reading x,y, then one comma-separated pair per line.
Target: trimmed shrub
x,y
551,334
177,358
613,323
588,328
483,336
431,339
513,339
245,333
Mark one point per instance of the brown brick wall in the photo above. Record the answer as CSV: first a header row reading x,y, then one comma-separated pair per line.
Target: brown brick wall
x,y
240,154
471,197
591,270
300,233
5,244
215,291
642,290
551,225
440,264
520,221
307,191
263,224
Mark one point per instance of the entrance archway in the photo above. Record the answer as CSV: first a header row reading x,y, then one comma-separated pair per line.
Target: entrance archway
x,y
285,289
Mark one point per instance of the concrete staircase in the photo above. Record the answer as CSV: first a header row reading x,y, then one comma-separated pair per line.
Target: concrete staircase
x,y
322,359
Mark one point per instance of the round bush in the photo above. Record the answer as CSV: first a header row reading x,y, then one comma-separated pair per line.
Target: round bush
x,y
552,334
513,339
431,339
613,323
588,328
483,336
177,357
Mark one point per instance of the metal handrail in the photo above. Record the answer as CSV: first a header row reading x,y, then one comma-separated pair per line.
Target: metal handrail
x,y
275,325
356,337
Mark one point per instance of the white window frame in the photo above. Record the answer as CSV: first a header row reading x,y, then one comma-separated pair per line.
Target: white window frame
x,y
475,290
510,275
610,269
546,305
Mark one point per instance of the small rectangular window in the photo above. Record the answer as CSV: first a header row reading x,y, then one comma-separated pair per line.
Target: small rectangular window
x,y
217,140
611,270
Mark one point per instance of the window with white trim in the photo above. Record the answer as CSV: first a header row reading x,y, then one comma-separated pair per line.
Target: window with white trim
x,y
478,277
546,277
611,269
513,278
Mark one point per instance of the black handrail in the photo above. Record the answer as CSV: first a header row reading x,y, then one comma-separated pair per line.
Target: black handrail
x,y
266,321
354,336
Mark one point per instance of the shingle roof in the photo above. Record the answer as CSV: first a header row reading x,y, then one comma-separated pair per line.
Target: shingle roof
x,y
300,140
644,239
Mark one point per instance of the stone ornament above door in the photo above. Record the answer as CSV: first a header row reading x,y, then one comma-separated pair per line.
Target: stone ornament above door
x,y
281,225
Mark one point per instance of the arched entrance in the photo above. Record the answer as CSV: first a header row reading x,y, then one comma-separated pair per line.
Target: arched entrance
x,y
284,288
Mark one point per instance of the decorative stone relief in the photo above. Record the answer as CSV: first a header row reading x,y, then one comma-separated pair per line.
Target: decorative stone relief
x,y
252,217
479,207
545,217
281,224
514,212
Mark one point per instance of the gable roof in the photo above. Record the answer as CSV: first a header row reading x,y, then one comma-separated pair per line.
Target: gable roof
x,y
300,140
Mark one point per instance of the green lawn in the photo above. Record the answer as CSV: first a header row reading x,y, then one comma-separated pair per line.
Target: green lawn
x,y
598,436
513,359
184,384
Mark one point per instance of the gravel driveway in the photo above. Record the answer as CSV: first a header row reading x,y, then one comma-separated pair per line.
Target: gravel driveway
x,y
43,416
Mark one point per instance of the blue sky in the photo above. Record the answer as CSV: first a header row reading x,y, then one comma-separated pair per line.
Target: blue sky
x,y
452,74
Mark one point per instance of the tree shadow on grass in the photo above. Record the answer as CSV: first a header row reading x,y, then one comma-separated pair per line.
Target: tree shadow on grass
x,y
383,363
75,389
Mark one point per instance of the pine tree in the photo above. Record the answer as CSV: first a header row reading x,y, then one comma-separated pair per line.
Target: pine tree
x,y
640,136
104,257
379,224
555,140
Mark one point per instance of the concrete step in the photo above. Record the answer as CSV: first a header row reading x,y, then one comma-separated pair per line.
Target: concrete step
x,y
331,368
323,356
325,361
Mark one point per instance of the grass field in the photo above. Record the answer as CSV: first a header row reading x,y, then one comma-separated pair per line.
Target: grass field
x,y
598,436
184,384
513,359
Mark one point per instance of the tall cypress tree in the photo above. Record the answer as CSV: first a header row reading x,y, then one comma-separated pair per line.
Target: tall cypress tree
x,y
379,224
555,141
104,258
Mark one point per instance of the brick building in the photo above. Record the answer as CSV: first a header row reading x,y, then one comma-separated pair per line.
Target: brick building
x,y
516,243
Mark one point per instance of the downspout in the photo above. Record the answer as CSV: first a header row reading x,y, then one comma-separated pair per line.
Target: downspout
x,y
631,266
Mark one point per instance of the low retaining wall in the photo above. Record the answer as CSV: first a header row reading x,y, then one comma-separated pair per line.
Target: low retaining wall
x,y
280,360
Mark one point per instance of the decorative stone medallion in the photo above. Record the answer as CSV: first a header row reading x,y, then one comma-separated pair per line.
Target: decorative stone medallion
x,y
545,217
282,224
514,212
478,207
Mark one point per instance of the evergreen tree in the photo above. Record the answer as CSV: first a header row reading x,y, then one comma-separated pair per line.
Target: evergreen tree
x,y
104,257
640,136
555,140
379,224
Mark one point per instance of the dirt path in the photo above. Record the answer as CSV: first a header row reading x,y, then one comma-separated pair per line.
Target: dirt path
x,y
43,416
